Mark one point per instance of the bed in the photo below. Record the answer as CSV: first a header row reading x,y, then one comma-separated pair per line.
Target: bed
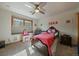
x,y
45,42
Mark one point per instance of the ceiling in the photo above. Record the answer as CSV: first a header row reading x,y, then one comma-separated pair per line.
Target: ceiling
x,y
51,8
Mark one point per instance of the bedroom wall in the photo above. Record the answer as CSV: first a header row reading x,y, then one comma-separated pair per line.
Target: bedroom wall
x,y
5,25
62,26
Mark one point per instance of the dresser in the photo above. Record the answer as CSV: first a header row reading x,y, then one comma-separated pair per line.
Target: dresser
x,y
2,44
66,40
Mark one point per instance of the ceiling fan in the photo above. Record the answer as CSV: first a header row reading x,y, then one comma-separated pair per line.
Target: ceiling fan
x,y
38,7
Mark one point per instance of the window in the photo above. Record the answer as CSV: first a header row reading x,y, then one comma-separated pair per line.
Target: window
x,y
19,25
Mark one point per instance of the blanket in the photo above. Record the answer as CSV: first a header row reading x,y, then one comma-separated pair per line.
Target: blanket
x,y
47,39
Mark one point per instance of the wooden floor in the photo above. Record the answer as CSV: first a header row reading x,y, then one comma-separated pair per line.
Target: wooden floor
x,y
63,50
19,49
12,49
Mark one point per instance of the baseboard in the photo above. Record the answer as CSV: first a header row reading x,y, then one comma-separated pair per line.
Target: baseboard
x,y
11,43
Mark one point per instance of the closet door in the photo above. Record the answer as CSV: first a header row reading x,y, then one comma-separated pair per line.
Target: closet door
x,y
78,28
78,33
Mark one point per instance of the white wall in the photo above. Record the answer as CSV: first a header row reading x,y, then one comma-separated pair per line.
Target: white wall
x,y
5,29
5,25
71,29
62,26
44,23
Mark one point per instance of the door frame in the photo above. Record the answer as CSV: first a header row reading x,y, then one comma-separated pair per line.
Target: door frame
x,y
78,26
78,32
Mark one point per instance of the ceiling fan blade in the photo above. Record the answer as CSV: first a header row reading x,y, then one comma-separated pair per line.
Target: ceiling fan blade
x,y
42,12
33,12
33,3
42,9
42,4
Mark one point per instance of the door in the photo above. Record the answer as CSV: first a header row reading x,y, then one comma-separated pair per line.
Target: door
x,y
78,33
78,27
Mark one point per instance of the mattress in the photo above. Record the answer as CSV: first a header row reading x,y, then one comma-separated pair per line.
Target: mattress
x,y
43,48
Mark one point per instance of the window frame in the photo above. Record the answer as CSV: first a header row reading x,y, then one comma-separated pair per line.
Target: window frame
x,y
24,20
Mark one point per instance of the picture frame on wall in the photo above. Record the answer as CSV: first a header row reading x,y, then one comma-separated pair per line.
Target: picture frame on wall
x,y
68,21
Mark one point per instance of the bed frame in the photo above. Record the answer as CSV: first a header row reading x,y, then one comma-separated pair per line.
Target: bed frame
x,y
44,47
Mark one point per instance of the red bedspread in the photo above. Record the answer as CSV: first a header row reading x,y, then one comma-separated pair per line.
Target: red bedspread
x,y
47,39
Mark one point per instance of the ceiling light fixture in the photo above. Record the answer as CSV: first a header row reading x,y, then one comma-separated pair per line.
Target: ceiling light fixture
x,y
36,10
